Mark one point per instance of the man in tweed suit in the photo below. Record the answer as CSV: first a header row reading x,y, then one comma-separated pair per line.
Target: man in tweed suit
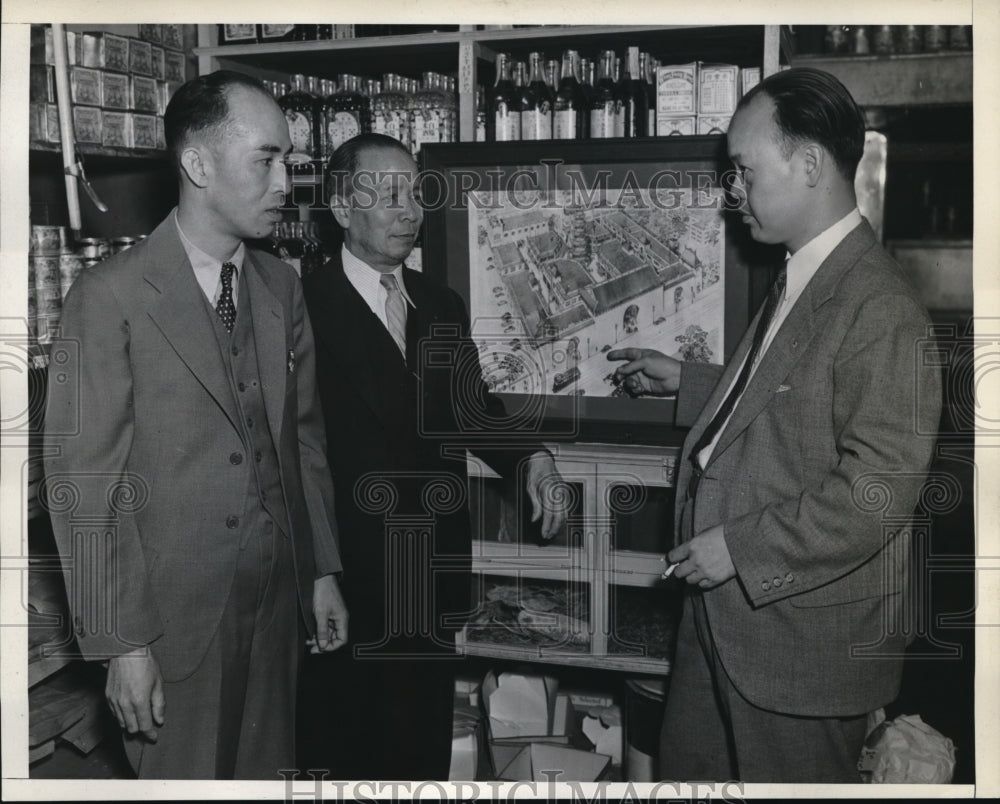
x,y
793,583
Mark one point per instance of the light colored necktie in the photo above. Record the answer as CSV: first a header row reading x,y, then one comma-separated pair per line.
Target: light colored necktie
x,y
395,311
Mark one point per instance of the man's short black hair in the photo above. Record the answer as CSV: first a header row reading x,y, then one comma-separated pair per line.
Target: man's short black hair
x,y
812,106
200,105
345,160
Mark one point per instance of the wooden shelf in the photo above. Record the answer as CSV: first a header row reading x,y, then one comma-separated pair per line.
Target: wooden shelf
x,y
922,79
100,151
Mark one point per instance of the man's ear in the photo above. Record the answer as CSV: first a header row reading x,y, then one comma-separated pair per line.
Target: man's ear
x,y
196,166
814,158
341,209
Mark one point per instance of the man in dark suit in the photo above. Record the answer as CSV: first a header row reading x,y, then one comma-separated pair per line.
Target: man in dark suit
x,y
400,477
185,381
791,627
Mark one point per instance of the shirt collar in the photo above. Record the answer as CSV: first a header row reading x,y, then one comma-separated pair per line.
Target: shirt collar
x,y
203,263
804,263
367,280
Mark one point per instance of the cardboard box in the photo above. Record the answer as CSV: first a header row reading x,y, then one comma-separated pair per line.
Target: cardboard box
x,y
677,90
117,129
717,88
143,94
43,122
161,134
713,123
520,705
165,91
542,762
749,78
85,86
173,35
42,83
116,93
104,51
675,126
140,58
41,50
604,729
151,33
88,124
159,62
174,67
143,131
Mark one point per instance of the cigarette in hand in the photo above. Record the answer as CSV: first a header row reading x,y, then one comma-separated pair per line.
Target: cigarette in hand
x,y
670,570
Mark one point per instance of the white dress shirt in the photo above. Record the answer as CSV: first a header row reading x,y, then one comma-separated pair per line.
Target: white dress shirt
x,y
208,270
800,267
368,282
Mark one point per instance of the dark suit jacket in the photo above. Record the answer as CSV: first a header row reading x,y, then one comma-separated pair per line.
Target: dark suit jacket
x,y
408,423
139,393
823,458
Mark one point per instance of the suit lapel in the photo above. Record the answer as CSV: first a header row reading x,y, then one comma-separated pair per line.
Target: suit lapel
x,y
178,310
269,338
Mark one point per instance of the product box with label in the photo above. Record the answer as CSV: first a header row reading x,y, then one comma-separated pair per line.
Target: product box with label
x,y
173,65
667,126
116,93
159,61
543,762
42,83
713,123
43,122
677,90
717,88
165,91
41,51
144,94
85,86
161,134
117,129
104,51
173,35
151,33
143,131
140,58
749,78
88,124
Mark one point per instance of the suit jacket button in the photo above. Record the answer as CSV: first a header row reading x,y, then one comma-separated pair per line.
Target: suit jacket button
x,y
765,586
789,578
236,459
776,583
232,522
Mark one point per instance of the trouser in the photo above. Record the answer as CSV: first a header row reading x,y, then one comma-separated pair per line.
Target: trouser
x,y
234,717
712,733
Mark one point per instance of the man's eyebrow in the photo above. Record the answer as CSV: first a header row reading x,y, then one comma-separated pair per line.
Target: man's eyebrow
x,y
273,149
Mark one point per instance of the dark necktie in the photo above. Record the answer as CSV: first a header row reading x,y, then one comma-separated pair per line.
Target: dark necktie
x,y
729,403
224,306
395,311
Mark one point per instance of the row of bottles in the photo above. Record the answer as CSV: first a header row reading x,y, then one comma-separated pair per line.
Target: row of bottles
x,y
322,113
299,244
563,99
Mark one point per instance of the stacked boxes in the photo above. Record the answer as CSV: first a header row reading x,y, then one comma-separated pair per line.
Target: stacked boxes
x,y
699,98
119,85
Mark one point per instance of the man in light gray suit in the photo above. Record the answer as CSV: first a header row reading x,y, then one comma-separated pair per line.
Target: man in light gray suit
x,y
198,531
791,575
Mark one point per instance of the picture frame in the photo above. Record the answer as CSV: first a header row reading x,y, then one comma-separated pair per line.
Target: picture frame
x,y
587,246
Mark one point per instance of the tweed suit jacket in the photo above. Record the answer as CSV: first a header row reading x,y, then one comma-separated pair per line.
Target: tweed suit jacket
x,y
826,449
140,401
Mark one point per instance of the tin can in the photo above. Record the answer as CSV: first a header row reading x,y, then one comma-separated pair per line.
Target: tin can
x,y
47,239
884,40
960,37
46,271
120,244
836,39
70,266
860,45
911,39
935,38
93,248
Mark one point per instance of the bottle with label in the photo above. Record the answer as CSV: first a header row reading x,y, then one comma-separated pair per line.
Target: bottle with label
x,y
536,103
429,114
284,32
348,113
605,107
390,113
480,114
631,93
300,112
647,65
504,119
552,67
450,89
570,112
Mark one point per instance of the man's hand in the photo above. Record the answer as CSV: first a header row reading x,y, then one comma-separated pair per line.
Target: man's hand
x,y
547,492
647,372
704,560
331,615
135,692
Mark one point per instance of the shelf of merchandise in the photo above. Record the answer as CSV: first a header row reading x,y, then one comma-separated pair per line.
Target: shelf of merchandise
x,y
100,151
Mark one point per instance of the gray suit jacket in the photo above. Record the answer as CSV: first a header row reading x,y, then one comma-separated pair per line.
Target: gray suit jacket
x,y
146,503
821,460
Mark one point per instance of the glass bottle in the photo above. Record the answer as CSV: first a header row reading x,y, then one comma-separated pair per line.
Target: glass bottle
x,y
552,68
505,111
429,115
480,114
300,112
348,113
604,106
450,90
631,92
390,115
647,65
536,103
570,113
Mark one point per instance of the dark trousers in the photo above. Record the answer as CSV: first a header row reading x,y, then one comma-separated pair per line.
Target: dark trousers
x,y
233,718
376,718
711,733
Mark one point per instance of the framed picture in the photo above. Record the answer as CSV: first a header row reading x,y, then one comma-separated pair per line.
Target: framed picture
x,y
566,250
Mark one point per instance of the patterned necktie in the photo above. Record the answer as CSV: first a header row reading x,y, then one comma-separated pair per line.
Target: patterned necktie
x,y
224,306
395,311
724,412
